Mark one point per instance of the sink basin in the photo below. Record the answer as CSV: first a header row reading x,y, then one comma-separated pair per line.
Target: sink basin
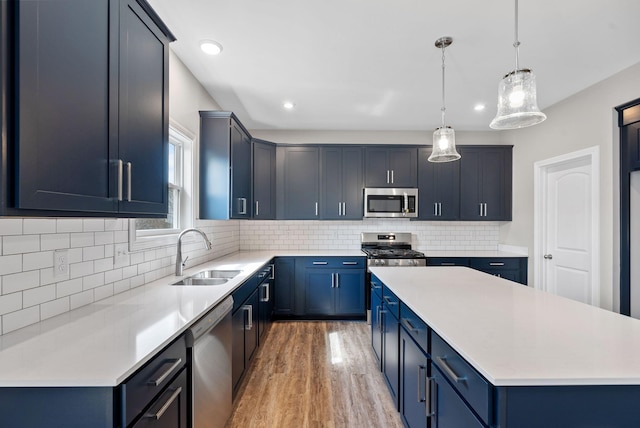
x,y
217,273
192,280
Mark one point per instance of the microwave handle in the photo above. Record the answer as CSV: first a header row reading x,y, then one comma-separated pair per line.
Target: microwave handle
x,y
406,204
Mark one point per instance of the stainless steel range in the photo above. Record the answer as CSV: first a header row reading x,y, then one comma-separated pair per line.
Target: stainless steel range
x,y
388,249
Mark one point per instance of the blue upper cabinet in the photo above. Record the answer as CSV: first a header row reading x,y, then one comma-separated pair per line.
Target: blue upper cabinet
x,y
387,166
225,167
439,188
298,182
85,108
342,183
264,180
485,183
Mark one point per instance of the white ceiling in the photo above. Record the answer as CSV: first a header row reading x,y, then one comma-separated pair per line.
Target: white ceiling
x,y
372,64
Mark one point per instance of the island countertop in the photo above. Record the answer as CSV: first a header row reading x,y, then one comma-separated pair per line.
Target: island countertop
x,y
516,335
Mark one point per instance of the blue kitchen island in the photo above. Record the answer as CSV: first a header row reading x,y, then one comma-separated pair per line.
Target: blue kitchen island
x,y
460,348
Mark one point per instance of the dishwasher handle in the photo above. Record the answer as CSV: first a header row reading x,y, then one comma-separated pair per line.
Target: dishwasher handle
x,y
205,324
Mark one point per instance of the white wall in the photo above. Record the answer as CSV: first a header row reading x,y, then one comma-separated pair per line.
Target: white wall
x,y
581,121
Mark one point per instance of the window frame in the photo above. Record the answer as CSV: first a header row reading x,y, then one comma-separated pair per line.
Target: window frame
x,y
184,168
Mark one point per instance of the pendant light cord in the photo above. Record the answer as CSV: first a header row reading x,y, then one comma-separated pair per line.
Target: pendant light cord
x,y
443,106
516,43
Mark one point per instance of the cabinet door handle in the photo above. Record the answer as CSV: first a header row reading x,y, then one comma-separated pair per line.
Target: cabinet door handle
x,y
157,415
388,182
158,380
265,296
431,397
349,263
316,209
496,264
249,310
421,398
435,209
320,263
447,368
120,178
333,280
408,326
381,323
243,206
392,180
273,271
485,209
439,209
389,302
480,209
337,280
129,172
257,208
344,208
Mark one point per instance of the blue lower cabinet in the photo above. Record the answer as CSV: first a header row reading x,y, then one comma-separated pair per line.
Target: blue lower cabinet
x,y
376,325
245,320
414,372
391,353
334,291
449,410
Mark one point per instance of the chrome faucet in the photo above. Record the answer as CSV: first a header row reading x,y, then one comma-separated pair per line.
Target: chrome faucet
x,y
179,262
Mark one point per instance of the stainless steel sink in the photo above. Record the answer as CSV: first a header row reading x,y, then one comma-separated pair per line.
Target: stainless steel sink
x,y
217,273
192,280
209,277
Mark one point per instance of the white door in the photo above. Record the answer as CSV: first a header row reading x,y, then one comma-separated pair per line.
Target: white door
x,y
568,254
634,243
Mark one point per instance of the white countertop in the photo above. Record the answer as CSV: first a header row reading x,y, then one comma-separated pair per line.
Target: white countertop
x,y
103,343
516,335
470,253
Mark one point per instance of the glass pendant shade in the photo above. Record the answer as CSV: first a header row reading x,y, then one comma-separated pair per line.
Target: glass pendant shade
x,y
444,145
517,103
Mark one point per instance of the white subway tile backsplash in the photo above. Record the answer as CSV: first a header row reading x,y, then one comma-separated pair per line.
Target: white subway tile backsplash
x,y
68,225
103,292
10,264
92,253
36,296
55,241
93,225
82,240
11,226
38,226
19,319
20,281
40,260
54,307
92,281
78,270
10,303
81,299
67,288
20,244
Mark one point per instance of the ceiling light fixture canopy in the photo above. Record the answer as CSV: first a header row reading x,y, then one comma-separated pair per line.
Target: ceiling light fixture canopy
x,y
444,137
517,103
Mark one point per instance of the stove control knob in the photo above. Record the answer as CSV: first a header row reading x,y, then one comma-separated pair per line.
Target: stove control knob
x,y
414,262
376,262
382,262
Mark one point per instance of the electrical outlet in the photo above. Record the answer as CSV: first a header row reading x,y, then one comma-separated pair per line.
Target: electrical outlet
x,y
121,255
60,263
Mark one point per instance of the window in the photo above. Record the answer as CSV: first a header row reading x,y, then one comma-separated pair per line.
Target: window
x,y
154,232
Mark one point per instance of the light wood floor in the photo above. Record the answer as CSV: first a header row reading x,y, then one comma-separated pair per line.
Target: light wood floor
x,y
315,374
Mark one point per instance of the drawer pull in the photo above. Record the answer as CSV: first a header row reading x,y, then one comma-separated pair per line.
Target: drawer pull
x,y
320,263
349,263
421,398
387,299
443,362
408,326
375,285
447,264
166,405
175,364
496,264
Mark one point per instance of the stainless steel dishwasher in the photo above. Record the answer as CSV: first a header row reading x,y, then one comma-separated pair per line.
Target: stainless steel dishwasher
x,y
209,342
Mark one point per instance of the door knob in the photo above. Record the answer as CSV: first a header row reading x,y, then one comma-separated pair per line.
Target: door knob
x,y
548,256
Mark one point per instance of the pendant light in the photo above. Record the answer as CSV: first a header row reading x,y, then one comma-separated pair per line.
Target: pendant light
x,y
444,138
517,104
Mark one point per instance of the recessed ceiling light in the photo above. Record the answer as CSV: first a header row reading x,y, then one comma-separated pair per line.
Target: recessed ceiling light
x,y
288,105
479,107
210,47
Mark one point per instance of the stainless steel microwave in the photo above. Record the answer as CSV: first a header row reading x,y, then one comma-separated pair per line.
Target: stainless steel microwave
x,y
383,202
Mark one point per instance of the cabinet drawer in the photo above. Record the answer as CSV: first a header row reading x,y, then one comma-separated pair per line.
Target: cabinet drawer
x,y
376,286
139,389
391,302
495,263
465,379
447,261
170,408
334,262
241,293
416,328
